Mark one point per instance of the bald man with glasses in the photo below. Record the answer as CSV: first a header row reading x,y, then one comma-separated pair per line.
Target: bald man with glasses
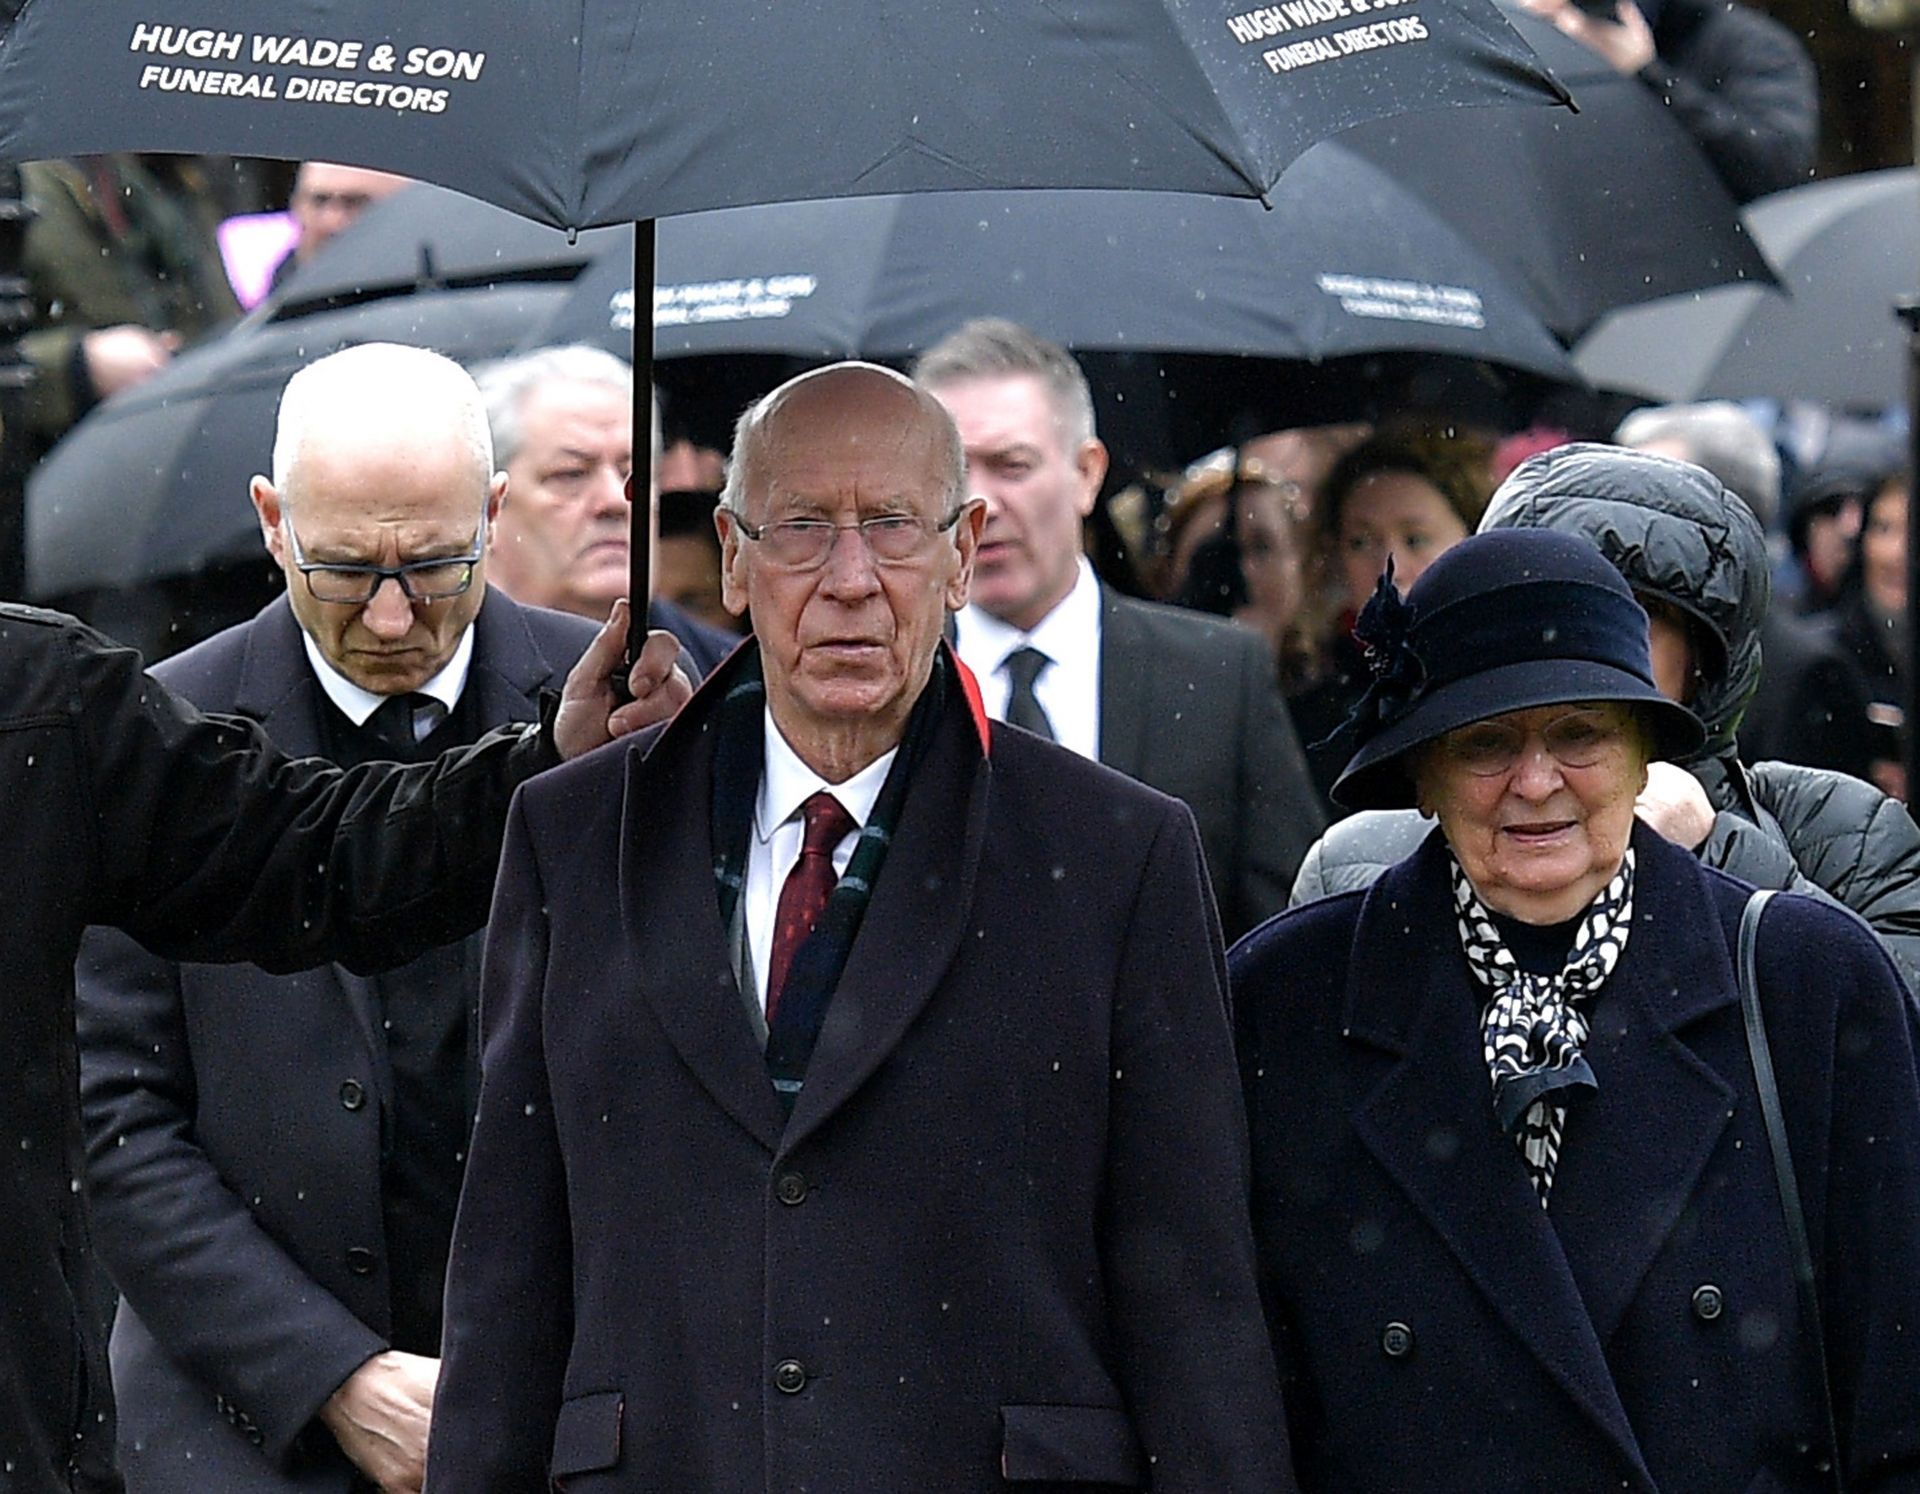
x,y
275,1160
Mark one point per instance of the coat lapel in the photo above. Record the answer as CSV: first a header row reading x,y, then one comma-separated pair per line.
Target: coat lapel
x,y
1622,1143
1430,1125
671,915
913,925
509,667
1126,676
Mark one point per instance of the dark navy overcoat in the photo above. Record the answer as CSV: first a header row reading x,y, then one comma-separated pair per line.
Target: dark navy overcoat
x,y
1002,1241
1439,1331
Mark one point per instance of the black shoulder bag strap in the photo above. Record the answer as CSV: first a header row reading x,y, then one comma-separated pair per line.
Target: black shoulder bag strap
x,y
1783,1174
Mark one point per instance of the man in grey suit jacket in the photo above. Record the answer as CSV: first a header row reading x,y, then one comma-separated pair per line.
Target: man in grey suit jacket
x,y
274,1161
1183,702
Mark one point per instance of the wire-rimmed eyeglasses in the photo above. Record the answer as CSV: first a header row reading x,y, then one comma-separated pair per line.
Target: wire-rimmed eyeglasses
x,y
805,544
433,580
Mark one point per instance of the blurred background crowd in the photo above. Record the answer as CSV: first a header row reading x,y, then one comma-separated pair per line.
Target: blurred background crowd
x,y
167,299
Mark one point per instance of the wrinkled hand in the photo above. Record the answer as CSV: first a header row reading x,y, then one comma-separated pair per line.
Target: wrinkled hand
x,y
1674,804
380,1417
588,719
1625,43
119,357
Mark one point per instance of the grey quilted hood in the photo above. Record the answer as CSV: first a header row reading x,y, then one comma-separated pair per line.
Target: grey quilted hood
x,y
1675,533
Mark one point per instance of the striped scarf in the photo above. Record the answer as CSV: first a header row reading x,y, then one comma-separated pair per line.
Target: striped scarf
x,y
738,760
1533,1027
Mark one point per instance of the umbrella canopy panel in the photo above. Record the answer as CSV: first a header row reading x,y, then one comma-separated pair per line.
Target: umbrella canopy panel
x,y
428,235
1846,249
154,484
1346,263
584,112
1583,212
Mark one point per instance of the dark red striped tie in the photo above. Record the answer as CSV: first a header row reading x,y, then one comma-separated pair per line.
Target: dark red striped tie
x,y
807,888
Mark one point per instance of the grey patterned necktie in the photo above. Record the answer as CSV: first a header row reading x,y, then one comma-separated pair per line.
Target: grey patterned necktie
x,y
1024,666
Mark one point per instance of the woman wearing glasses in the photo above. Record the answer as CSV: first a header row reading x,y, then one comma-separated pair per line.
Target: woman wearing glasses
x,y
1514,1197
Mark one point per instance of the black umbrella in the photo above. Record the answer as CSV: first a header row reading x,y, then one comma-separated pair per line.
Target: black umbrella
x,y
583,112
1347,262
425,236
1584,212
597,111
1846,250
153,484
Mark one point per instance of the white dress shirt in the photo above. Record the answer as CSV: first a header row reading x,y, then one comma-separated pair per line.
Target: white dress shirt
x,y
786,783
1069,688
357,704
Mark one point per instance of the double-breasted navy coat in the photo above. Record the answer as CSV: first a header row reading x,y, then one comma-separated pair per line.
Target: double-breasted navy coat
x,y
1002,1239
1439,1331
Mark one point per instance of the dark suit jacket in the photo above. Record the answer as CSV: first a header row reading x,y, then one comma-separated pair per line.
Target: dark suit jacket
x,y
234,1127
1579,1348
1189,704
1005,1227
1811,707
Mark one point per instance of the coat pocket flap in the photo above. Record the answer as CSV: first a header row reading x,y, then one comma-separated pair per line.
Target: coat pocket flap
x,y
586,1435
1075,1444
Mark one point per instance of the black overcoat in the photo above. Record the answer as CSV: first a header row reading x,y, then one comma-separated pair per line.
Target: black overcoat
x,y
1438,1331
235,1127
1003,1236
123,805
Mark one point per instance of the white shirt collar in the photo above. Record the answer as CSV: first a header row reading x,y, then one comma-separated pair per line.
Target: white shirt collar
x,y
357,704
786,783
1069,634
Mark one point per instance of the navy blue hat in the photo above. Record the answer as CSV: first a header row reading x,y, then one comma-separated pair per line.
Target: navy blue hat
x,y
1504,621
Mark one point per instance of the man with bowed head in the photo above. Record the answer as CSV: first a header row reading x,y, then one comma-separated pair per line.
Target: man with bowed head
x,y
858,1105
128,807
306,1132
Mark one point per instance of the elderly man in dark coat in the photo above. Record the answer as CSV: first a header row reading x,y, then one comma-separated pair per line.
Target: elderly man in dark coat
x,y
918,1166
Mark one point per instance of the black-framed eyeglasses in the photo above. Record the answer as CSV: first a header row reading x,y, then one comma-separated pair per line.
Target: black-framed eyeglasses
x,y
805,544
434,580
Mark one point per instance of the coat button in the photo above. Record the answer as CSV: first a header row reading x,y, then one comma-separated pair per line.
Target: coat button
x,y
1397,1341
352,1095
789,1377
1708,1304
790,1188
360,1260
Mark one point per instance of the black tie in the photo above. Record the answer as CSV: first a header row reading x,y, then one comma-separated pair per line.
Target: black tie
x,y
391,725
1023,667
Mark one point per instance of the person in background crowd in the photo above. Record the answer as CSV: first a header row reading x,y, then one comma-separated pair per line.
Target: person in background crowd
x,y
326,198
1302,456
1411,494
562,421
1254,569
1741,83
1825,506
122,272
274,1161
686,560
1695,558
1811,704
1517,1215
1183,702
750,985
1874,627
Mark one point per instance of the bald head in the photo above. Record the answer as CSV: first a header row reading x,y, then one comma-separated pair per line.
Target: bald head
x,y
380,395
858,405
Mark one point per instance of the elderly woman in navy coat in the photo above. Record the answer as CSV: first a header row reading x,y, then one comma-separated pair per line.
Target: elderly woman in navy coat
x,y
1513,1192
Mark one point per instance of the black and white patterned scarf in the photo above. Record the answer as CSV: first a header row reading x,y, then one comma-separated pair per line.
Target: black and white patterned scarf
x,y
1533,1027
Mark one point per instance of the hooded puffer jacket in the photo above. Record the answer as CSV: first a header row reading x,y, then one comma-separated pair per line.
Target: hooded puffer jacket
x,y
1677,535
